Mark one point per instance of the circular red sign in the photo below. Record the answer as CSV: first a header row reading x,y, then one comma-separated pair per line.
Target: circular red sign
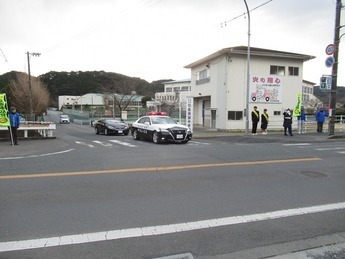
x,y
330,49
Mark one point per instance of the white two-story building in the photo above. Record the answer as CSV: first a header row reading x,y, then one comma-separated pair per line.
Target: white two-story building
x,y
219,83
174,91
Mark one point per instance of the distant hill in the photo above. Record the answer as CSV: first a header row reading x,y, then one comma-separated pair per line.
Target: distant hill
x,y
80,83
324,96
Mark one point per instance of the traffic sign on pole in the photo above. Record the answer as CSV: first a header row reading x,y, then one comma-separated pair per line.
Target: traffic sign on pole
x,y
330,49
329,61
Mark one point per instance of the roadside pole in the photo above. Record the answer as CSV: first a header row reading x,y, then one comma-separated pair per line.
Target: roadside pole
x,y
333,97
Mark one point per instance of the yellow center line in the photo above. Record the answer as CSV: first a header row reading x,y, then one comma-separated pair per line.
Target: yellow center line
x,y
161,168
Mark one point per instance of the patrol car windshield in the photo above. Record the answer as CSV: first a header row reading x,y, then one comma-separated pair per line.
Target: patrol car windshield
x,y
163,120
112,121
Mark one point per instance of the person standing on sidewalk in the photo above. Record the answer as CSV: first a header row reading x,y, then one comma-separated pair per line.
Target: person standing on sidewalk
x,y
14,121
255,120
301,121
287,122
320,117
264,121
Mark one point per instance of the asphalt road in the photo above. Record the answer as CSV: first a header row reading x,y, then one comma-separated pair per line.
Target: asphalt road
x,y
210,197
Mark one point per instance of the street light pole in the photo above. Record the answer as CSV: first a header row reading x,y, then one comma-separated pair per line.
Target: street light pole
x,y
248,70
30,86
333,97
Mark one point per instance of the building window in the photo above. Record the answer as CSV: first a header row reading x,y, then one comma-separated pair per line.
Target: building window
x,y
277,70
176,89
235,115
184,88
202,74
293,71
203,77
276,112
168,89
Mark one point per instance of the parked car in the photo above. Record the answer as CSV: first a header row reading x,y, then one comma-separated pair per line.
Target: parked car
x,y
160,128
108,126
64,118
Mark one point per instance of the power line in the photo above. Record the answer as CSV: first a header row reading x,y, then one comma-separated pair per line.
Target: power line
x,y
225,23
3,54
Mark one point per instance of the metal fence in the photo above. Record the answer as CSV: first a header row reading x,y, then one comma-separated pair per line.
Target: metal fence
x,y
310,125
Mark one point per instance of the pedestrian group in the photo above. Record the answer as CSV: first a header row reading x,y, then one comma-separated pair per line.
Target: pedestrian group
x,y
320,117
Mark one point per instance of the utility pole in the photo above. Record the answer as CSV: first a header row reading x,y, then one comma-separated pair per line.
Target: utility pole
x,y
248,71
32,115
333,97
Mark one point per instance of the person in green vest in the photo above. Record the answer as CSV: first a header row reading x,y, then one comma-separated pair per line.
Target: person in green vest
x,y
255,120
264,122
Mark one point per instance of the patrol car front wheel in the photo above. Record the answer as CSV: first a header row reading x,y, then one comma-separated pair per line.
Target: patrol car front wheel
x,y
155,138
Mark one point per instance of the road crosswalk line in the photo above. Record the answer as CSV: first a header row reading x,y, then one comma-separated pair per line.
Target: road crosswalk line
x,y
103,143
122,143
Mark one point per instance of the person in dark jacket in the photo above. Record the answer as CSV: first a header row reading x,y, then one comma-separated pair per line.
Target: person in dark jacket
x,y
255,120
264,121
14,121
320,117
287,122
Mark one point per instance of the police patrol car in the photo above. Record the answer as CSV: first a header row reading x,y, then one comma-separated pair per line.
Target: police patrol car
x,y
158,127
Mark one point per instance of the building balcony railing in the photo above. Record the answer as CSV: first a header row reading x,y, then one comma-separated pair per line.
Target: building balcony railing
x,y
203,81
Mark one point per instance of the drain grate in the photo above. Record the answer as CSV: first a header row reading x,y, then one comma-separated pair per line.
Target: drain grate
x,y
180,256
313,174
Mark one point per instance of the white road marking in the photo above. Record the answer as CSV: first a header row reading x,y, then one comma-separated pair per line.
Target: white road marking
x,y
102,143
297,144
198,143
329,148
122,143
164,229
83,143
40,155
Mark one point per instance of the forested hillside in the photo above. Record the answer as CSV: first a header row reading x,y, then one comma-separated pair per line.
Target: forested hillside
x,y
80,83
324,95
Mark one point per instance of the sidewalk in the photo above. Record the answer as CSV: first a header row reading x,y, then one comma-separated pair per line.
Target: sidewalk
x,y
322,247
199,133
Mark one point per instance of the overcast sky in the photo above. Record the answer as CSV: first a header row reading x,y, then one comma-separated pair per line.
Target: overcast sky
x,y
155,39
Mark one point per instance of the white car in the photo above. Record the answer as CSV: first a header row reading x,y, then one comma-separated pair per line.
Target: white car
x,y
64,118
160,128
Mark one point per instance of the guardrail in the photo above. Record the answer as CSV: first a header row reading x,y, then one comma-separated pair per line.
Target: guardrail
x,y
310,124
81,122
44,129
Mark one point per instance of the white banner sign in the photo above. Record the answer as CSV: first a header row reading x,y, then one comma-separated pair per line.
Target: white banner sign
x,y
189,112
266,89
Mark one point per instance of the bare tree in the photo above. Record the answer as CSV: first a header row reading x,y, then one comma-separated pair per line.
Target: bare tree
x,y
170,105
169,108
21,94
122,93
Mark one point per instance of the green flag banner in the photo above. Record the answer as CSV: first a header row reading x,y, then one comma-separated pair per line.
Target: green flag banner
x,y
297,109
4,120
